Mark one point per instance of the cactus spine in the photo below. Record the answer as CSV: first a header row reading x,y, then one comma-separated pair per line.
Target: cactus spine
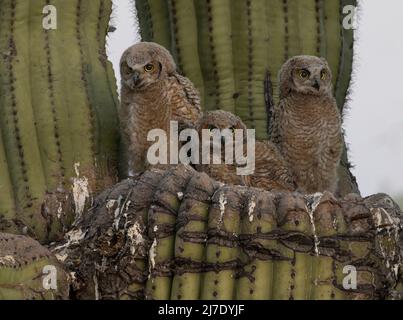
x,y
58,112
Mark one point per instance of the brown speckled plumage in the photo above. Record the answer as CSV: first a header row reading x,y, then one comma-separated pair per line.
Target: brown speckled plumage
x,y
271,172
151,99
307,124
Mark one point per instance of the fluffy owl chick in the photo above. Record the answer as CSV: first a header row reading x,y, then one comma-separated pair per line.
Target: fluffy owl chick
x,y
271,172
152,95
307,124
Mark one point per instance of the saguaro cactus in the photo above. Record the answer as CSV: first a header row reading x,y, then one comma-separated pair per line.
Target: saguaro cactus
x,y
30,271
233,49
178,234
58,123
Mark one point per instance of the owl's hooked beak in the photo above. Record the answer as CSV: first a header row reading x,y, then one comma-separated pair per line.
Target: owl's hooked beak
x,y
316,84
136,78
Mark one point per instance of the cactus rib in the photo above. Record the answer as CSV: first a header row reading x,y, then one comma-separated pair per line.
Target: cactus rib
x,y
153,17
18,129
185,45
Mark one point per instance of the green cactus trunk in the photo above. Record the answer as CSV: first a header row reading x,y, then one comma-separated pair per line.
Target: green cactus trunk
x,y
24,266
57,113
178,234
233,51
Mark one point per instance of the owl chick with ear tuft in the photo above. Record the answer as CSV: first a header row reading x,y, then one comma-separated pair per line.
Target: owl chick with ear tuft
x,y
152,95
271,172
307,124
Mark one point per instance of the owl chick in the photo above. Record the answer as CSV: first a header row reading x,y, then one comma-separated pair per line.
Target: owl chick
x,y
271,172
152,95
307,124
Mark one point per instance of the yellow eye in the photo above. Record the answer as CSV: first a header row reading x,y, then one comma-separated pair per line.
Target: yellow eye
x,y
323,75
149,67
304,74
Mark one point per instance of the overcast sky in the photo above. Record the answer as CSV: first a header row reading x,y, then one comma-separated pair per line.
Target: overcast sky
x,y
374,122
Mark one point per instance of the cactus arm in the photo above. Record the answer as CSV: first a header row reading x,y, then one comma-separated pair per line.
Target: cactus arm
x,y
249,40
16,115
54,75
206,56
332,44
185,44
22,276
7,200
144,19
7,204
153,16
321,25
338,50
346,58
277,51
71,109
41,81
215,50
51,110
86,120
122,165
303,28
93,14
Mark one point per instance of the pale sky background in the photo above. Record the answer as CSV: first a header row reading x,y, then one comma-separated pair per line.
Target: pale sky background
x,y
374,122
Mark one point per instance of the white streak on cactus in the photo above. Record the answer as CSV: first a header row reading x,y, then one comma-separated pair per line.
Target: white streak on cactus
x,y
222,202
80,191
117,213
59,210
153,255
251,208
311,206
135,235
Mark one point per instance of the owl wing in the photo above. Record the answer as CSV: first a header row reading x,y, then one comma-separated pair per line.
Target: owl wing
x,y
185,100
275,133
271,171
